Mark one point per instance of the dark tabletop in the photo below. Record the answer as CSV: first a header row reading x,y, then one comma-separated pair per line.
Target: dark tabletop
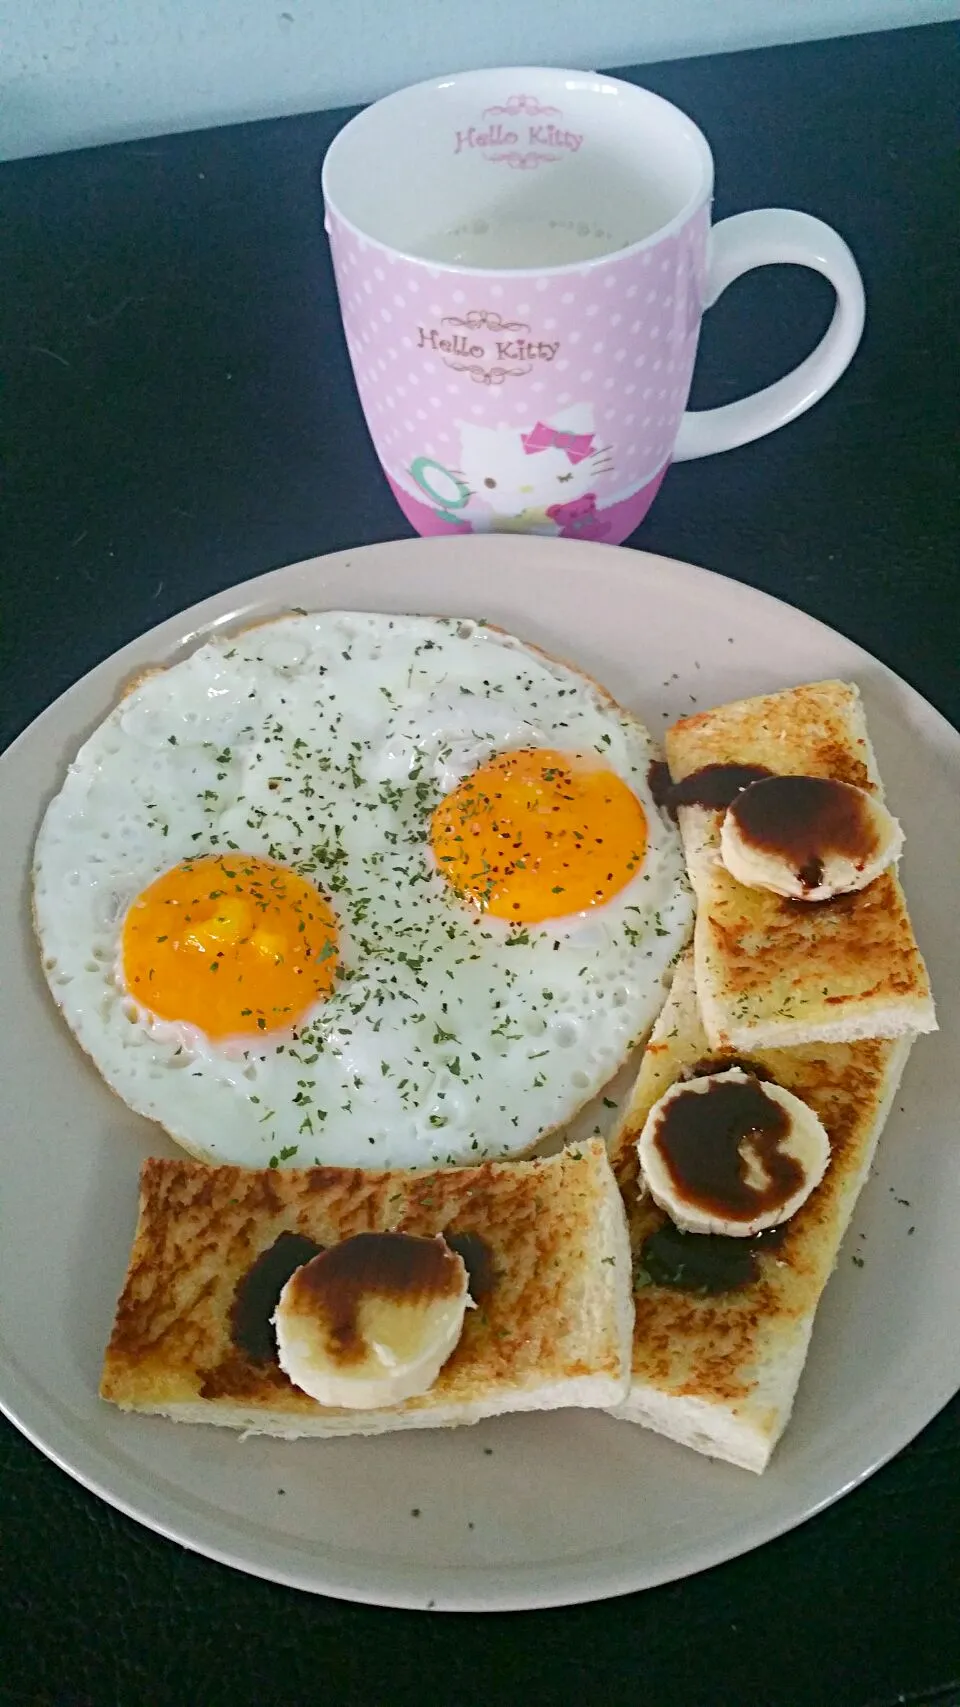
x,y
179,416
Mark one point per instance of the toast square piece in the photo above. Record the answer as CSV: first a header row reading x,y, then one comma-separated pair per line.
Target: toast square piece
x,y
545,1242
719,1371
773,972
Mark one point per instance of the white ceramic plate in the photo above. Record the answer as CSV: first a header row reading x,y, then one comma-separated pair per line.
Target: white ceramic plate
x,y
527,1511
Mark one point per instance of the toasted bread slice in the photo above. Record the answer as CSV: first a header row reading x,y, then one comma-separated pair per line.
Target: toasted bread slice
x,y
772,972
550,1271
719,1371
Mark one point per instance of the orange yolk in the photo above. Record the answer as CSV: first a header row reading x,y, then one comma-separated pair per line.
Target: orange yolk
x,y
235,945
537,834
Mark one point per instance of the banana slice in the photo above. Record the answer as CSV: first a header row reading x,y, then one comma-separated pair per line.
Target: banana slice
x,y
808,837
728,1154
372,1321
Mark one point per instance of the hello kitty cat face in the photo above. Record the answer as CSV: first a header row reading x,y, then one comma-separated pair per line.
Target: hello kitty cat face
x,y
532,467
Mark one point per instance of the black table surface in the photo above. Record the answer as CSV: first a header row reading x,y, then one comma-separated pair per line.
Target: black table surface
x,y
180,416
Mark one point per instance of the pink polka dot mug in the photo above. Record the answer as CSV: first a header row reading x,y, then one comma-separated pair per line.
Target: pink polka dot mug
x,y
523,258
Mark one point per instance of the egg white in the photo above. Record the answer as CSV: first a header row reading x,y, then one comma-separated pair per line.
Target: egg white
x,y
324,741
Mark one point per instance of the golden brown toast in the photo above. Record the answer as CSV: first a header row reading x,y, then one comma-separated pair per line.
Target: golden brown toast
x,y
545,1242
773,972
719,1371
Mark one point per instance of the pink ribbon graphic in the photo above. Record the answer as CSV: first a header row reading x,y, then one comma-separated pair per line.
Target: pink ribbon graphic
x,y
578,446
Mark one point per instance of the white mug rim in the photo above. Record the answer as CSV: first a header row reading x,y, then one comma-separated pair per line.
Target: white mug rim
x,y
702,195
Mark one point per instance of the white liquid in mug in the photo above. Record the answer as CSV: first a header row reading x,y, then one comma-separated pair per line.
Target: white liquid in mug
x,y
499,243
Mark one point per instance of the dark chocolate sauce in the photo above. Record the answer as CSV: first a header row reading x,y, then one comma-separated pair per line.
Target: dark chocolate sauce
x,y
708,1065
713,786
258,1292
830,904
659,784
704,1262
811,874
699,1135
478,1261
386,1265
804,819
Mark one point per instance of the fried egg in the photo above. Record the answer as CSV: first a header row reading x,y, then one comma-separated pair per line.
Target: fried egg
x,y
363,890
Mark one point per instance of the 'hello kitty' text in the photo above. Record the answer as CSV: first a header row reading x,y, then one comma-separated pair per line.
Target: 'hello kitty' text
x,y
506,349
499,136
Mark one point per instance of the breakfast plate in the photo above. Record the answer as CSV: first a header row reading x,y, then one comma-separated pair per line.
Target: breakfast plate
x,y
533,1510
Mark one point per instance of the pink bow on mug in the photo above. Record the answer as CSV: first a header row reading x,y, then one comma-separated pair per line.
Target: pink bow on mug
x,y
578,446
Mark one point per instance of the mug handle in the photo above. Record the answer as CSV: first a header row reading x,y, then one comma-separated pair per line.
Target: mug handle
x,y
763,238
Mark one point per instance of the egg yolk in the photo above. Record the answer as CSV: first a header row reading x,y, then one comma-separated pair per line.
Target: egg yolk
x,y
235,945
537,834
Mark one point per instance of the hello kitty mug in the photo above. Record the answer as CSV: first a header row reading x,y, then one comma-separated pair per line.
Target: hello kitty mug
x,y
523,258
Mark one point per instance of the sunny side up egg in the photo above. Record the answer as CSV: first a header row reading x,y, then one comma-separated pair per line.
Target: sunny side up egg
x,y
360,889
